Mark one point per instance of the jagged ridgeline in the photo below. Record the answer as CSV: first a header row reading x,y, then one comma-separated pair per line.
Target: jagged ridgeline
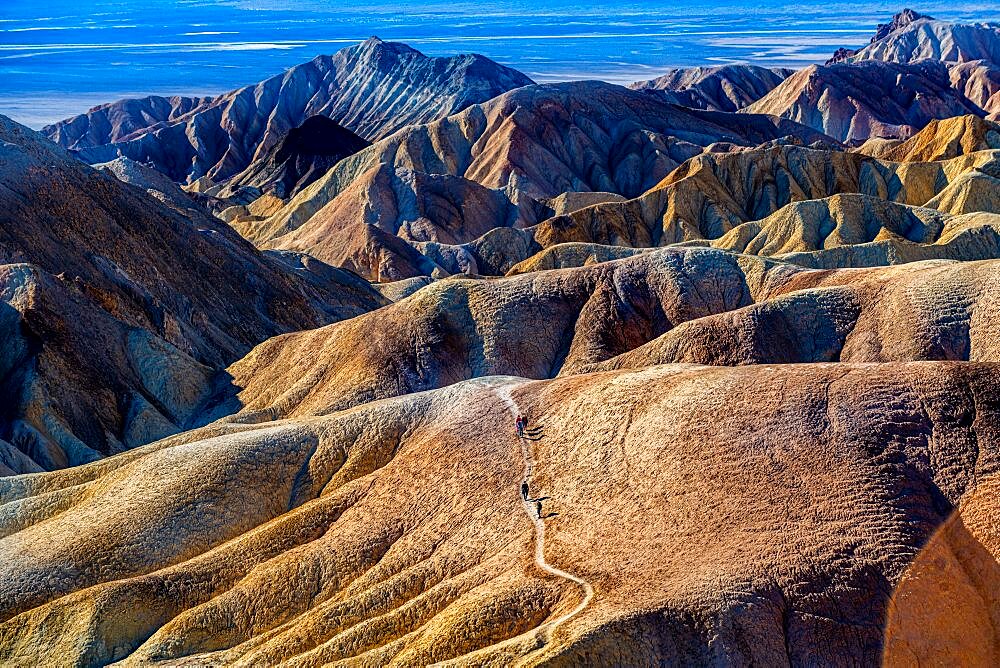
x,y
372,89
400,360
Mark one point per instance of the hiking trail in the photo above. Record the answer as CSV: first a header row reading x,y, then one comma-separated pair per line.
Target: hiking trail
x,y
542,635
550,627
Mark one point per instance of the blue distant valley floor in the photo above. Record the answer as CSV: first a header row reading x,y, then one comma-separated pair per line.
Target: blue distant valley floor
x,y
59,58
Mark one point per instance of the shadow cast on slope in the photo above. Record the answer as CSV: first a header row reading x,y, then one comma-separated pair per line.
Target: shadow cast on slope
x,y
946,607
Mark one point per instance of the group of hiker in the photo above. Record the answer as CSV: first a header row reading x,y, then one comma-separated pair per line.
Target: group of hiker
x,y
537,502
520,424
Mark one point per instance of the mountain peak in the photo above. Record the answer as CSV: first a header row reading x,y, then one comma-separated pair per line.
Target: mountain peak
x,y
899,20
911,36
375,44
372,88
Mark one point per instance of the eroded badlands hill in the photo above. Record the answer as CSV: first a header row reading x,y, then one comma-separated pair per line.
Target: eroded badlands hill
x,y
394,534
373,89
506,157
761,371
915,69
922,311
397,210
117,307
699,305
712,194
853,102
720,88
912,36
940,140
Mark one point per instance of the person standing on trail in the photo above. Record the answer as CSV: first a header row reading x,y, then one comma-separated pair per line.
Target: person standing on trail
x,y
519,425
538,509
524,491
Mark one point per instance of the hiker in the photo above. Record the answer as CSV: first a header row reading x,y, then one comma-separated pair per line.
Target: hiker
x,y
524,491
519,425
538,509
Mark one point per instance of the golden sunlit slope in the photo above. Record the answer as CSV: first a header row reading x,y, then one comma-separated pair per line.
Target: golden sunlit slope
x,y
940,140
533,325
711,194
394,533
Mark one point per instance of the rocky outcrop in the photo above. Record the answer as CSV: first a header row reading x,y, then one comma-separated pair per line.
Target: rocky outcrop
x,y
372,89
116,304
303,156
79,384
855,101
190,279
720,88
882,30
899,21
